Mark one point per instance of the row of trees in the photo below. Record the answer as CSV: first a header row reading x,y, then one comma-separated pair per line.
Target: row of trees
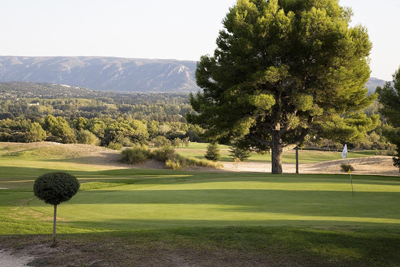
x,y
92,108
125,131
107,131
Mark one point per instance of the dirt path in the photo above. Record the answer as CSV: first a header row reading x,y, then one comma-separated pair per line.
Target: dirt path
x,y
377,165
7,259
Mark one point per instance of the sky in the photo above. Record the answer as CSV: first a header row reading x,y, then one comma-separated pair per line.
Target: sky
x,y
159,29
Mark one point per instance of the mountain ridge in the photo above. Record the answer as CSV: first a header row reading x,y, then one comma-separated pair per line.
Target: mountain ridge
x,y
103,73
112,74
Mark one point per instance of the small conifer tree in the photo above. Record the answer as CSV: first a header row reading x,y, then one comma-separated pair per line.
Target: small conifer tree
x,y
213,152
238,153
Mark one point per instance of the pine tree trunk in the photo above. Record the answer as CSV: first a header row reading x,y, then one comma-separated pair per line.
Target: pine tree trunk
x,y
54,226
276,153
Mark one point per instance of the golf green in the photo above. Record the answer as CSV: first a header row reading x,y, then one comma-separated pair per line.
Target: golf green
x,y
215,199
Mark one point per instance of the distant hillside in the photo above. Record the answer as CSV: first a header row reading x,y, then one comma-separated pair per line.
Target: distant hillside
x,y
373,83
12,90
102,73
110,74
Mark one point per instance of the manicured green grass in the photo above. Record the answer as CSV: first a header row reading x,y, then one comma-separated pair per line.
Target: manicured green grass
x,y
233,200
232,218
311,220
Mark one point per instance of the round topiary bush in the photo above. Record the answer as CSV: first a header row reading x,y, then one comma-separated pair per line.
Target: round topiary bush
x,y
54,188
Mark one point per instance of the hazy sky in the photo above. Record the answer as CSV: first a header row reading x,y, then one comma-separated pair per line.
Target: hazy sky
x,y
167,29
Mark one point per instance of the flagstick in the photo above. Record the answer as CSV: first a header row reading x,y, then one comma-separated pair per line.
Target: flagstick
x,y
344,154
351,179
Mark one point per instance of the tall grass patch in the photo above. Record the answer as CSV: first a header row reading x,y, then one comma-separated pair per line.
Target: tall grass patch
x,y
176,161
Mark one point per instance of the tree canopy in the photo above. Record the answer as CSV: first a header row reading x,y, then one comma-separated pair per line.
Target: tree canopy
x,y
284,69
56,187
389,96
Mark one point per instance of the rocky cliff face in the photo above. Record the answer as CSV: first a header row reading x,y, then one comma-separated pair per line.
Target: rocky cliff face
x,y
103,73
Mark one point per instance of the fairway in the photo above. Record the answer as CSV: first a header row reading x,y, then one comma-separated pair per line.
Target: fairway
x,y
198,150
215,199
231,218
124,199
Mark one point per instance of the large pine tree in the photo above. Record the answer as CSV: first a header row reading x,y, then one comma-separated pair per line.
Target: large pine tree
x,y
284,69
389,96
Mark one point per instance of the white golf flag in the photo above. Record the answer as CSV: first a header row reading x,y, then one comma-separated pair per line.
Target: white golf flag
x,y
344,151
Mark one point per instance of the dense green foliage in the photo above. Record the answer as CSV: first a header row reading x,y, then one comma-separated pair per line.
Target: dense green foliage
x,y
135,154
27,102
55,187
284,70
238,153
345,167
109,119
212,152
123,120
389,96
166,155
16,90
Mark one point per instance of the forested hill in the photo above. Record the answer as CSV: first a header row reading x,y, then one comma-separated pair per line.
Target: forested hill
x,y
14,90
102,73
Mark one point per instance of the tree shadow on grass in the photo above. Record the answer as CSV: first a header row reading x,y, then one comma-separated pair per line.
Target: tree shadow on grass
x,y
222,246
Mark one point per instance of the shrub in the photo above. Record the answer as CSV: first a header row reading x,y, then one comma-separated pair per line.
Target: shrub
x,y
213,152
239,154
186,141
176,162
136,154
161,141
346,167
163,154
176,142
389,152
396,162
171,164
87,137
115,146
54,188
191,162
